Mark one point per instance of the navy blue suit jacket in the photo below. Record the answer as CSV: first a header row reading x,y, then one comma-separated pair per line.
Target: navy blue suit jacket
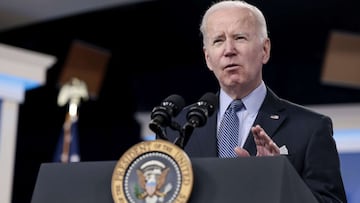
x,y
307,135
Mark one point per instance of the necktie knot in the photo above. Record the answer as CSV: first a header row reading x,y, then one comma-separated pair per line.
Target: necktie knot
x,y
236,105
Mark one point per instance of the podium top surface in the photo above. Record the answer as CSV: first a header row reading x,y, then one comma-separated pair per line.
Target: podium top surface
x,y
253,179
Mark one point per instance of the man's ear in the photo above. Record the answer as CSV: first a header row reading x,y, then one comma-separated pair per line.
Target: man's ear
x,y
207,59
266,50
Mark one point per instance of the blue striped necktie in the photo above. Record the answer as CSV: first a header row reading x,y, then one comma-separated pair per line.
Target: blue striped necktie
x,y
228,134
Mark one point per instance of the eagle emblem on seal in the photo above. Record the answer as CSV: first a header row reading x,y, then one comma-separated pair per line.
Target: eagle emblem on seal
x,y
152,177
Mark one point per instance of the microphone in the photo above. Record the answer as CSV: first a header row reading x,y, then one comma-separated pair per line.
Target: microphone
x,y
162,115
197,116
205,107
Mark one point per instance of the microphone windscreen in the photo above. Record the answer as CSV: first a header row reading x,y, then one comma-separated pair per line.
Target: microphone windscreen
x,y
210,99
177,101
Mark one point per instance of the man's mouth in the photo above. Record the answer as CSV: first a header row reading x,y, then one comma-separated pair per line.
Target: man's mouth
x,y
231,66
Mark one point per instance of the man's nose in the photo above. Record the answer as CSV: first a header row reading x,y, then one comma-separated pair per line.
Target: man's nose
x,y
229,48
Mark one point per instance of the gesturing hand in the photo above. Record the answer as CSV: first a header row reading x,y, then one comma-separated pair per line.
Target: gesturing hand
x,y
265,146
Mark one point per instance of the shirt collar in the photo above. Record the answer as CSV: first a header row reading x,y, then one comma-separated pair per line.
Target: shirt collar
x,y
252,102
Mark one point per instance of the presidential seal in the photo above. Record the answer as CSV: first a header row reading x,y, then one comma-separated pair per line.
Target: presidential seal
x,y
152,172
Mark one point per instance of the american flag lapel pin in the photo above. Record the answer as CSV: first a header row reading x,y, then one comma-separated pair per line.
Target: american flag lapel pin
x,y
275,117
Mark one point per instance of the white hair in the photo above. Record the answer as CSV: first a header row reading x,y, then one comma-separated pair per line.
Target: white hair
x,y
260,19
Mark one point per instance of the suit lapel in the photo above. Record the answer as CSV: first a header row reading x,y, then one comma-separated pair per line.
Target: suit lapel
x,y
208,144
270,116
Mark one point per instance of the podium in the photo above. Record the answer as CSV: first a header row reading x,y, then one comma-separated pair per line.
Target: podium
x,y
251,179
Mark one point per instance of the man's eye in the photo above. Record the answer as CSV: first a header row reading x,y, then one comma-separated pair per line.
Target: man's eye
x,y
240,38
217,41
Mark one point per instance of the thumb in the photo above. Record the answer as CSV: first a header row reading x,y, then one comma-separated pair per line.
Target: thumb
x,y
241,152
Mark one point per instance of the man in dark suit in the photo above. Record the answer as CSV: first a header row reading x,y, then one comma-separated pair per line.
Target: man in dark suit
x,y
236,46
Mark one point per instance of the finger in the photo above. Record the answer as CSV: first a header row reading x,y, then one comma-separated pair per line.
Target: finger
x,y
265,146
260,151
262,137
256,134
256,129
241,152
273,148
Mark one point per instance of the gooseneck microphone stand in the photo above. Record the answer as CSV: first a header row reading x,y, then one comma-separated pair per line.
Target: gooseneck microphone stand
x,y
184,136
159,130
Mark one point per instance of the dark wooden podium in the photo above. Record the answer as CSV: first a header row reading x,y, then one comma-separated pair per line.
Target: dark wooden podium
x,y
252,179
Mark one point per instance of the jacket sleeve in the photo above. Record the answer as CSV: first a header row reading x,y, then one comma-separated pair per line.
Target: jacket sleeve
x,y
322,165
